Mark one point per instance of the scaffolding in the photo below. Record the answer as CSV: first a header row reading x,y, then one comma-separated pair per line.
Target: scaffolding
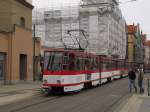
x,y
56,21
95,25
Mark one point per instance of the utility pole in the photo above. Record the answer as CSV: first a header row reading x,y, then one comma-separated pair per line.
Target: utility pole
x,y
34,52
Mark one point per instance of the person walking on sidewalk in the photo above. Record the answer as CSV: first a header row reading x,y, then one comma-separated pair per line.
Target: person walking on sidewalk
x,y
140,79
132,77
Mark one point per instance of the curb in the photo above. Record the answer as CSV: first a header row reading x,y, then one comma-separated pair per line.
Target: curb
x,y
126,105
133,103
120,103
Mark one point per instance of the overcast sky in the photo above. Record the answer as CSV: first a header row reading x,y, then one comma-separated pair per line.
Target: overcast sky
x,y
134,12
138,12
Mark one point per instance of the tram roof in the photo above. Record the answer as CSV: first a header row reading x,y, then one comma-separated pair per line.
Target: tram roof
x,y
73,51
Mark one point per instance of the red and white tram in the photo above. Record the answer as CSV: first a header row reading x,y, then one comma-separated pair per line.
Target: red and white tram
x,y
71,70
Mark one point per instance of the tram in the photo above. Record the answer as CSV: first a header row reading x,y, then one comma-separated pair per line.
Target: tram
x,y
147,67
72,70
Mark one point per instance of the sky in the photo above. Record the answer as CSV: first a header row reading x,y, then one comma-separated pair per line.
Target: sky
x,y
134,12
138,12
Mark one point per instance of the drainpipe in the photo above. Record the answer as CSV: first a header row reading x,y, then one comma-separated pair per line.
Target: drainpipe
x,y
9,55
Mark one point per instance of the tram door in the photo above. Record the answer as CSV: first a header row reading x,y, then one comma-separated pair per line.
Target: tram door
x,y
2,67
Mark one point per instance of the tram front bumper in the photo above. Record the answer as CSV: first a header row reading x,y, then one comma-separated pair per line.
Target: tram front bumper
x,y
45,90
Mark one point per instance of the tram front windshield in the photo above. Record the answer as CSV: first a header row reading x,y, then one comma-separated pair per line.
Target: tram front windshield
x,y
52,61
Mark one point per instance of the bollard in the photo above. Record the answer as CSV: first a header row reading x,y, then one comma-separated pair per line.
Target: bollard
x,y
148,86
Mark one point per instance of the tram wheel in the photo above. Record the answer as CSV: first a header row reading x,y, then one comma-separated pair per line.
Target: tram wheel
x,y
121,76
87,85
109,79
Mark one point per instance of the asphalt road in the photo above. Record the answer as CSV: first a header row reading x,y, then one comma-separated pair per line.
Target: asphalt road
x,y
99,99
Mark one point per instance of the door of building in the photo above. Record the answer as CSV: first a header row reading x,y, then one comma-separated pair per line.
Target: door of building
x,y
23,67
1,70
2,66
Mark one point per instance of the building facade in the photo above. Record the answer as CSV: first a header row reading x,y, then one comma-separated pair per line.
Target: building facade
x,y
135,44
147,56
16,42
106,27
144,40
147,52
131,29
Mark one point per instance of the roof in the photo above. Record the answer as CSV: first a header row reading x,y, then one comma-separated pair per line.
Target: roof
x,y
25,3
131,28
147,43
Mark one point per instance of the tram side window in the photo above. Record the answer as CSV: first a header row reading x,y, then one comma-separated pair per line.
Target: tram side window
x,y
87,64
94,64
125,65
120,64
112,64
109,64
100,64
65,61
128,65
115,64
79,64
104,65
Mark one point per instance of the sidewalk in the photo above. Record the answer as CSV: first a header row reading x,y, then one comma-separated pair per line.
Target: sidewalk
x,y
17,92
137,102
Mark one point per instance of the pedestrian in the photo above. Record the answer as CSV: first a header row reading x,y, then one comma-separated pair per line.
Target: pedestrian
x,y
132,77
140,79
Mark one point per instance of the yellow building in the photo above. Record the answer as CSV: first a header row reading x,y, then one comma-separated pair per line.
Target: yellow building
x,y
147,52
147,56
16,42
131,29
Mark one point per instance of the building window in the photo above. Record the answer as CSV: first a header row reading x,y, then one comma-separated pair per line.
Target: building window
x,y
22,21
